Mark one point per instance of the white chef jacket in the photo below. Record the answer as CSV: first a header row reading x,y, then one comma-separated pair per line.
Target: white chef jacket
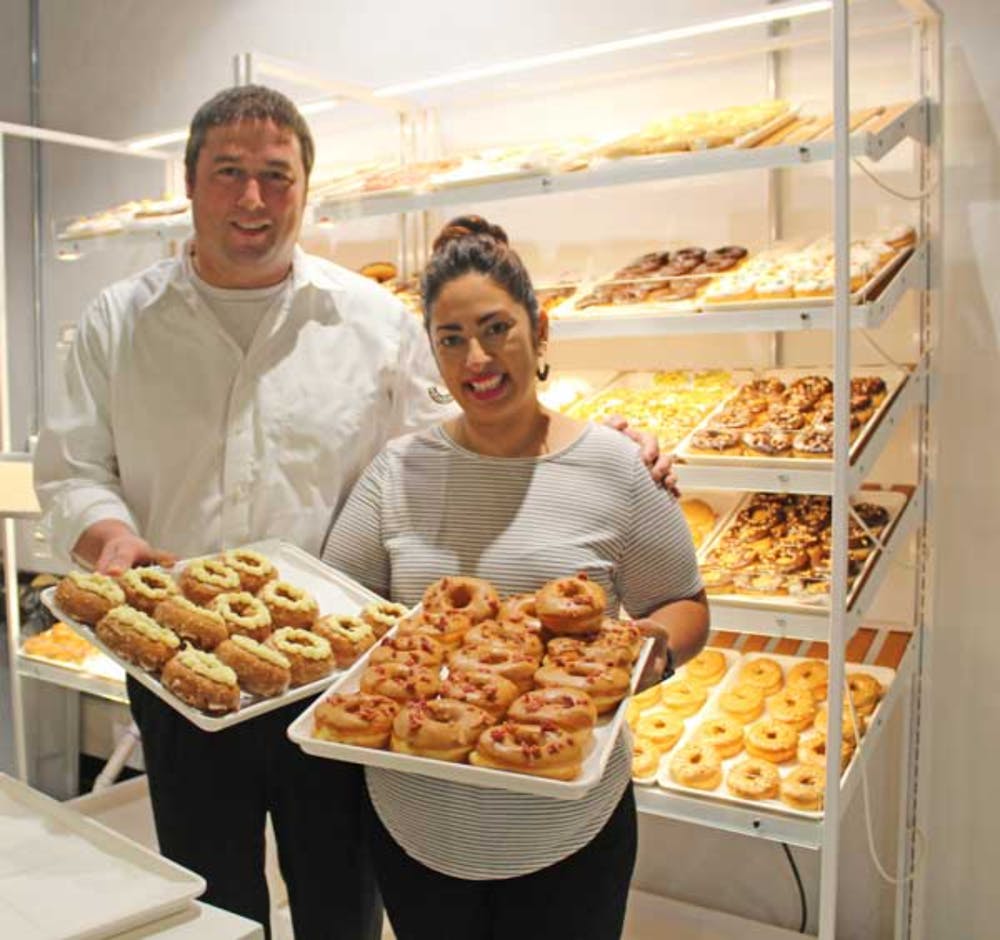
x,y
170,428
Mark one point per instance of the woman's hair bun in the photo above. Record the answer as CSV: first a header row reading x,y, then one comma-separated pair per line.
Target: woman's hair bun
x,y
469,226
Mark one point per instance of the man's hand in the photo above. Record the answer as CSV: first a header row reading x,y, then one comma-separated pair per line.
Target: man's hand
x,y
111,547
661,466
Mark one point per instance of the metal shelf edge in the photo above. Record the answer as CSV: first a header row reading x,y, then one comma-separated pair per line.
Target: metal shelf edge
x,y
111,689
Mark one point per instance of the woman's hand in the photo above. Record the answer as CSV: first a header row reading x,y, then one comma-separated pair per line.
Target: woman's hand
x,y
656,662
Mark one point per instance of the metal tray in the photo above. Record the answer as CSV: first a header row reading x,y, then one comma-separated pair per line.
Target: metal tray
x,y
711,708
334,592
605,735
63,875
894,379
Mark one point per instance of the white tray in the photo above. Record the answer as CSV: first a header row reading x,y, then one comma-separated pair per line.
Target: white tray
x,y
605,735
63,875
663,779
893,377
334,592
732,659
893,500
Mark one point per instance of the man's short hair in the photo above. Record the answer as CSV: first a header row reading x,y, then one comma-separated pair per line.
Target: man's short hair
x,y
246,103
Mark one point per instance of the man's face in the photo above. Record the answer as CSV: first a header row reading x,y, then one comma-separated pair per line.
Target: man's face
x,y
247,198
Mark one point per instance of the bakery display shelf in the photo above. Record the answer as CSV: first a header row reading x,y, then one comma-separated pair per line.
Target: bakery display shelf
x,y
771,823
808,476
756,317
911,123
70,249
69,676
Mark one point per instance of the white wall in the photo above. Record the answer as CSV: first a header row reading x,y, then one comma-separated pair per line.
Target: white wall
x,y
121,69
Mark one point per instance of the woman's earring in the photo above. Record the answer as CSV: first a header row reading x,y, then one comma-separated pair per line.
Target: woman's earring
x,y
441,398
543,372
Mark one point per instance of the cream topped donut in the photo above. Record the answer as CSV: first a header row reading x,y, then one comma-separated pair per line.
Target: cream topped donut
x,y
529,749
202,580
571,605
569,709
400,682
347,635
356,718
310,655
145,587
475,598
203,681
507,633
261,670
288,605
486,690
243,613
199,626
507,661
87,597
441,729
382,616
606,685
254,569
136,637
412,650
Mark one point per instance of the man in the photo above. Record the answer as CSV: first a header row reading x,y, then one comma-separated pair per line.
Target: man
x,y
226,396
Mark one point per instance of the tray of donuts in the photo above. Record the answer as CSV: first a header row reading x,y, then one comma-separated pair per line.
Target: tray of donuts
x,y
761,735
783,418
523,693
227,638
773,550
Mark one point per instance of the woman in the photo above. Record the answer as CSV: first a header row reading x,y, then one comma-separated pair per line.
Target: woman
x,y
516,494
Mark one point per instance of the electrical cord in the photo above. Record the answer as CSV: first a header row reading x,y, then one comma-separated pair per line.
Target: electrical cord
x,y
798,883
909,197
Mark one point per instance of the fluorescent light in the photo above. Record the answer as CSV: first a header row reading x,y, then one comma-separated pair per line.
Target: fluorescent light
x,y
150,143
587,52
319,106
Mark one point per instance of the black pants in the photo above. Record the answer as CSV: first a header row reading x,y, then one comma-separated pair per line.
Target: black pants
x,y
583,897
210,794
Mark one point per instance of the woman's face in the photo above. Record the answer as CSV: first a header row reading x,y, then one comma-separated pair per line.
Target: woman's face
x,y
485,348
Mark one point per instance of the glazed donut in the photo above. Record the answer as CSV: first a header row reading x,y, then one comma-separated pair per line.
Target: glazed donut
x,y
682,697
571,649
620,633
697,765
202,681
202,628
253,569
725,734
382,616
571,605
507,633
288,605
400,682
772,741
707,668
486,690
812,749
145,587
357,718
87,597
447,629
348,636
865,692
243,613
505,661
606,685
569,709
846,726
442,729
411,650
645,758
520,608
794,707
812,675
744,703
529,749
753,779
137,638
474,597
260,669
201,580
803,787
764,674
660,726
310,656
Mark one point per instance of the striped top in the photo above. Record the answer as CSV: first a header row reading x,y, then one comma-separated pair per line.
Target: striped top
x,y
426,508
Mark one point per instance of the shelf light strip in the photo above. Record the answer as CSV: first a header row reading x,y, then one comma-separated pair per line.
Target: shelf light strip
x,y
539,61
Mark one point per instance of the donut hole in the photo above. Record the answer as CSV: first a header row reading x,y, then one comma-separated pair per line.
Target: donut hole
x,y
459,596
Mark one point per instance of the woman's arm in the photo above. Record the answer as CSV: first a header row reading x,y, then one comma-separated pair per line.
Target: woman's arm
x,y
680,626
